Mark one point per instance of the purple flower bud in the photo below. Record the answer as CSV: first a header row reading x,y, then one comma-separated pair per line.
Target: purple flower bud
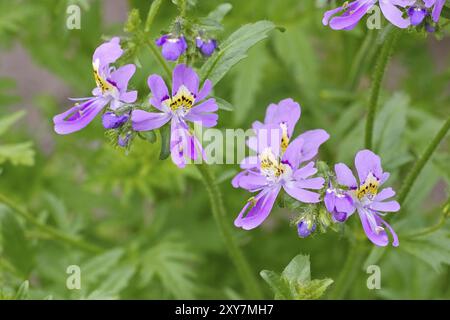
x,y
430,28
172,47
206,47
417,15
123,140
112,121
339,204
303,231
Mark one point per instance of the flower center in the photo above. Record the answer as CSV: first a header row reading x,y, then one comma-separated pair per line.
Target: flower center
x,y
183,100
271,167
103,84
369,188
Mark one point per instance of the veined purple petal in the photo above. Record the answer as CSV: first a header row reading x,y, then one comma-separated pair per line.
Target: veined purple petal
x,y
344,203
437,10
313,139
128,97
252,181
172,48
344,176
209,105
312,183
378,236
293,153
330,200
259,212
417,15
204,92
352,15
79,116
183,75
305,171
207,120
395,241
144,121
368,162
112,121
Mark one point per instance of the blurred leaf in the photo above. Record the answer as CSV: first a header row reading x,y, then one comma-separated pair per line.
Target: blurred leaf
x,y
220,12
223,104
234,49
116,281
16,248
96,267
7,121
165,142
17,154
295,282
22,293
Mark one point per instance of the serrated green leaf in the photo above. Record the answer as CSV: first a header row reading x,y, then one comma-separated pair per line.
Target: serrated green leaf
x,y
114,283
96,267
7,121
298,270
234,49
279,286
17,154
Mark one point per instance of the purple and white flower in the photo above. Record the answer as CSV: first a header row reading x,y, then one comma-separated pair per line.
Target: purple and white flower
x,y
364,197
420,9
187,103
278,164
347,16
206,47
111,89
304,229
172,47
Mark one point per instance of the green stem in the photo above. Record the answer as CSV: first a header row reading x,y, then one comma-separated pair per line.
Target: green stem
x,y
154,8
52,232
380,68
358,65
160,59
417,168
218,210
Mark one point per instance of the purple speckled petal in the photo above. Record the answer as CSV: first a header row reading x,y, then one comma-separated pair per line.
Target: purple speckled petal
x,y
108,53
344,176
79,116
388,206
365,162
257,214
183,75
145,121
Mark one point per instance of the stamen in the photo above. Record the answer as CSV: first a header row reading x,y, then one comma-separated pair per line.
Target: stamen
x,y
284,137
104,85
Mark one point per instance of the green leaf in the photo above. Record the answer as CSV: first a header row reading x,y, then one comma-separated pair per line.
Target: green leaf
x,y
116,281
434,250
96,267
22,293
7,121
279,286
16,248
220,12
295,282
17,154
247,82
234,49
223,104
149,136
165,142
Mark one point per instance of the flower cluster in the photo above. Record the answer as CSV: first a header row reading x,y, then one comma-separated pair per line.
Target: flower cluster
x,y
279,165
401,13
174,46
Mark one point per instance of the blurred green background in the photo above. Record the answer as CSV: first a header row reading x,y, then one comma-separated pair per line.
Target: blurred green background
x,y
152,219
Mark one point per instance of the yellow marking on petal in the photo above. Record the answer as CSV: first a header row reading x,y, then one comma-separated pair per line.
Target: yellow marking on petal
x,y
284,137
104,85
370,187
183,99
253,201
270,166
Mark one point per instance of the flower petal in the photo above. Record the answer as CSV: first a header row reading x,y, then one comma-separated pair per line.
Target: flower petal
x,y
286,111
204,92
158,89
144,121
368,220
344,176
301,194
368,162
122,76
394,14
108,53
388,206
384,194
257,214
305,171
313,139
183,75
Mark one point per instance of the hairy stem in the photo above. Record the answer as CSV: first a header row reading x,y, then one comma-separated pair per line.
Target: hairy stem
x,y
218,210
52,232
417,168
378,75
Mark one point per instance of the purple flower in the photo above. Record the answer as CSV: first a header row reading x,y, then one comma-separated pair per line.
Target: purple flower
x,y
348,16
338,203
187,103
172,47
278,164
124,139
419,10
206,47
304,229
111,121
366,197
111,89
